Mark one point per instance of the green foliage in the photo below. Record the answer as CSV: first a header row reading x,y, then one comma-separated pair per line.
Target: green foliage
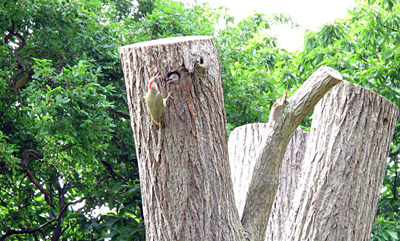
x,y
172,19
385,230
256,72
66,112
7,150
68,49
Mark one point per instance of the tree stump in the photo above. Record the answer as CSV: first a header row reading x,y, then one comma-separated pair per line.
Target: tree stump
x,y
330,190
344,166
184,171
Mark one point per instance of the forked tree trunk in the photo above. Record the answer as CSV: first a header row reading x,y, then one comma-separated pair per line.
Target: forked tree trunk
x,y
331,190
186,183
285,117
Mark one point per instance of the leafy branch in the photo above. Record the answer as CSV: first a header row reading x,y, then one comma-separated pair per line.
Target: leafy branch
x,y
28,231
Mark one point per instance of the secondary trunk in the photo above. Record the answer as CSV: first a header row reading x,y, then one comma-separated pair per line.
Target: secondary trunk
x,y
344,166
244,145
332,192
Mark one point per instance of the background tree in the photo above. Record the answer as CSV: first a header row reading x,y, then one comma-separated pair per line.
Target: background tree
x,y
62,96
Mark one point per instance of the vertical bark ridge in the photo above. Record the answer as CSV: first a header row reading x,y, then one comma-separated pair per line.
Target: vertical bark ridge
x,y
344,166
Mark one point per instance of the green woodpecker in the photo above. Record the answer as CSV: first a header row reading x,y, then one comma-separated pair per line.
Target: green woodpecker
x,y
173,78
154,101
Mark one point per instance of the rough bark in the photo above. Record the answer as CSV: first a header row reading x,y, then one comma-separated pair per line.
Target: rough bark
x,y
285,116
344,166
243,146
289,179
184,171
185,175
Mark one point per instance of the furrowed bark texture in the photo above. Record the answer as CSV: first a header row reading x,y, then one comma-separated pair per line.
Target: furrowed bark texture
x,y
284,118
184,171
344,166
243,146
289,179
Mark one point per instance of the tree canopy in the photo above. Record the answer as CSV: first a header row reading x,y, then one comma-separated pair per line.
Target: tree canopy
x,y
65,137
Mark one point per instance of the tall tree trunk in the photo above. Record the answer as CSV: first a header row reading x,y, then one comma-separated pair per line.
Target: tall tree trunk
x,y
184,171
344,166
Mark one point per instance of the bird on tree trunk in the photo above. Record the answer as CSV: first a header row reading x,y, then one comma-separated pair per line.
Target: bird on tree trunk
x,y
155,101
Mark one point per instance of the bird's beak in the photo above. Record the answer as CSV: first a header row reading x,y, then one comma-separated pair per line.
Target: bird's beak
x,y
156,77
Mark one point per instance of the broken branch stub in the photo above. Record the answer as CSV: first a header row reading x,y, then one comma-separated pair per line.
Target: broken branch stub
x,y
285,116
